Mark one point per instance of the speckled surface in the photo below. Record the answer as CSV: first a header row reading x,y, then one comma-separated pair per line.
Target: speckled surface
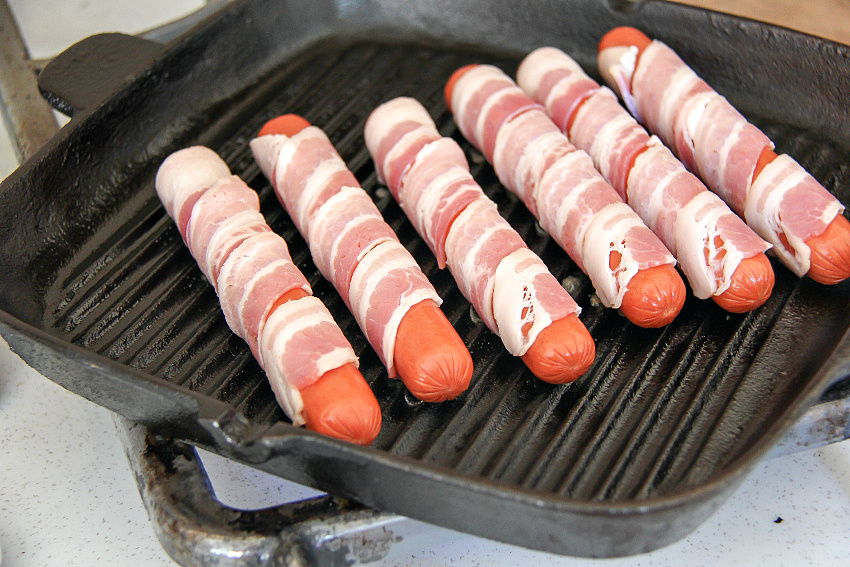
x,y
68,497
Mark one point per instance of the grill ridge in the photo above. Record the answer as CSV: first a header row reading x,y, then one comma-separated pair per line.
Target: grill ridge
x,y
563,447
638,445
675,458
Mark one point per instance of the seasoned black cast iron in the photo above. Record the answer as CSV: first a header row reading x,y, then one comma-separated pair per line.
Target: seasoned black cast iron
x,y
99,293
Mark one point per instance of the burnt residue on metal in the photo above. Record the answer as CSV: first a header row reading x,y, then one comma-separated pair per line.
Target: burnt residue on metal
x,y
196,529
633,455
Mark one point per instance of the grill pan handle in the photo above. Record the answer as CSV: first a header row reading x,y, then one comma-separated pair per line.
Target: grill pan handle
x,y
85,75
196,529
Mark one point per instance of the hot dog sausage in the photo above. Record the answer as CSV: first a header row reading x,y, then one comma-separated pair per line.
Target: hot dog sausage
x,y
430,356
570,198
427,353
340,403
735,159
255,278
510,288
562,352
721,257
830,250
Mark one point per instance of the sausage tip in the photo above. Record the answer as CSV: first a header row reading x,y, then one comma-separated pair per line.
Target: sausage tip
x,y
655,296
341,405
830,253
624,36
444,378
429,356
751,285
450,84
286,124
562,352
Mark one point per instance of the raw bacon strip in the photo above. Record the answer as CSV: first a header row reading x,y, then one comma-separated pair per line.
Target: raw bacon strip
x,y
435,199
386,283
479,240
526,300
722,257
571,199
434,184
298,343
561,87
342,232
403,131
255,275
509,286
323,199
353,247
305,170
532,147
725,150
183,178
486,108
228,236
774,206
709,241
506,283
300,175
310,365
228,197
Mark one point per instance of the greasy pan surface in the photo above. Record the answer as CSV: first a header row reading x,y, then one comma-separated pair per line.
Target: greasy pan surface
x,y
98,292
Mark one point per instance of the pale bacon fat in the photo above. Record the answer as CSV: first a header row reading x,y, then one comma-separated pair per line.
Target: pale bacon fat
x,y
299,343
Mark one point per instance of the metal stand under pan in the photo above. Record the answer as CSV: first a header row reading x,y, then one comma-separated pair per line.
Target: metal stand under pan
x,y
194,527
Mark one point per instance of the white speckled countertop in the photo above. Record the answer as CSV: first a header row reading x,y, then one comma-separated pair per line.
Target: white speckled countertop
x,y
68,497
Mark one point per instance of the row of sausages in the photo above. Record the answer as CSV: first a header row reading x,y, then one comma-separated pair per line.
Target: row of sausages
x,y
611,194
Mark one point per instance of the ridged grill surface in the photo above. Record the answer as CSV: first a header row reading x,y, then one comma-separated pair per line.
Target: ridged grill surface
x,y
659,409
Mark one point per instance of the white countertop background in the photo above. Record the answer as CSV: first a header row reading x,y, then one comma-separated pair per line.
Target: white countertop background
x,y
68,496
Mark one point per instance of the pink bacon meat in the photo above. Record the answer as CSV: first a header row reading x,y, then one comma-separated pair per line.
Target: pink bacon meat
x,y
709,241
508,285
511,289
572,201
341,234
253,277
181,181
715,141
388,271
298,343
265,298
427,174
358,252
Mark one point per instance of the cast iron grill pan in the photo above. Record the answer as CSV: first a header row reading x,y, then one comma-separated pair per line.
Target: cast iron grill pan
x,y
101,295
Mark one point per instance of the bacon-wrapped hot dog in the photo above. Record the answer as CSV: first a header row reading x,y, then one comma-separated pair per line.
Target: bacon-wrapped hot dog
x,y
266,300
511,289
628,265
721,256
783,203
390,297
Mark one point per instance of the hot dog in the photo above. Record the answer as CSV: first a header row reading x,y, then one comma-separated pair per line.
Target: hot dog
x,y
721,257
562,352
256,280
340,403
410,332
493,267
775,196
573,203
830,252
424,338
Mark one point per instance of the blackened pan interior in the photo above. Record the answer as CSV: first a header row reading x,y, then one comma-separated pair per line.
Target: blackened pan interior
x,y
98,287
